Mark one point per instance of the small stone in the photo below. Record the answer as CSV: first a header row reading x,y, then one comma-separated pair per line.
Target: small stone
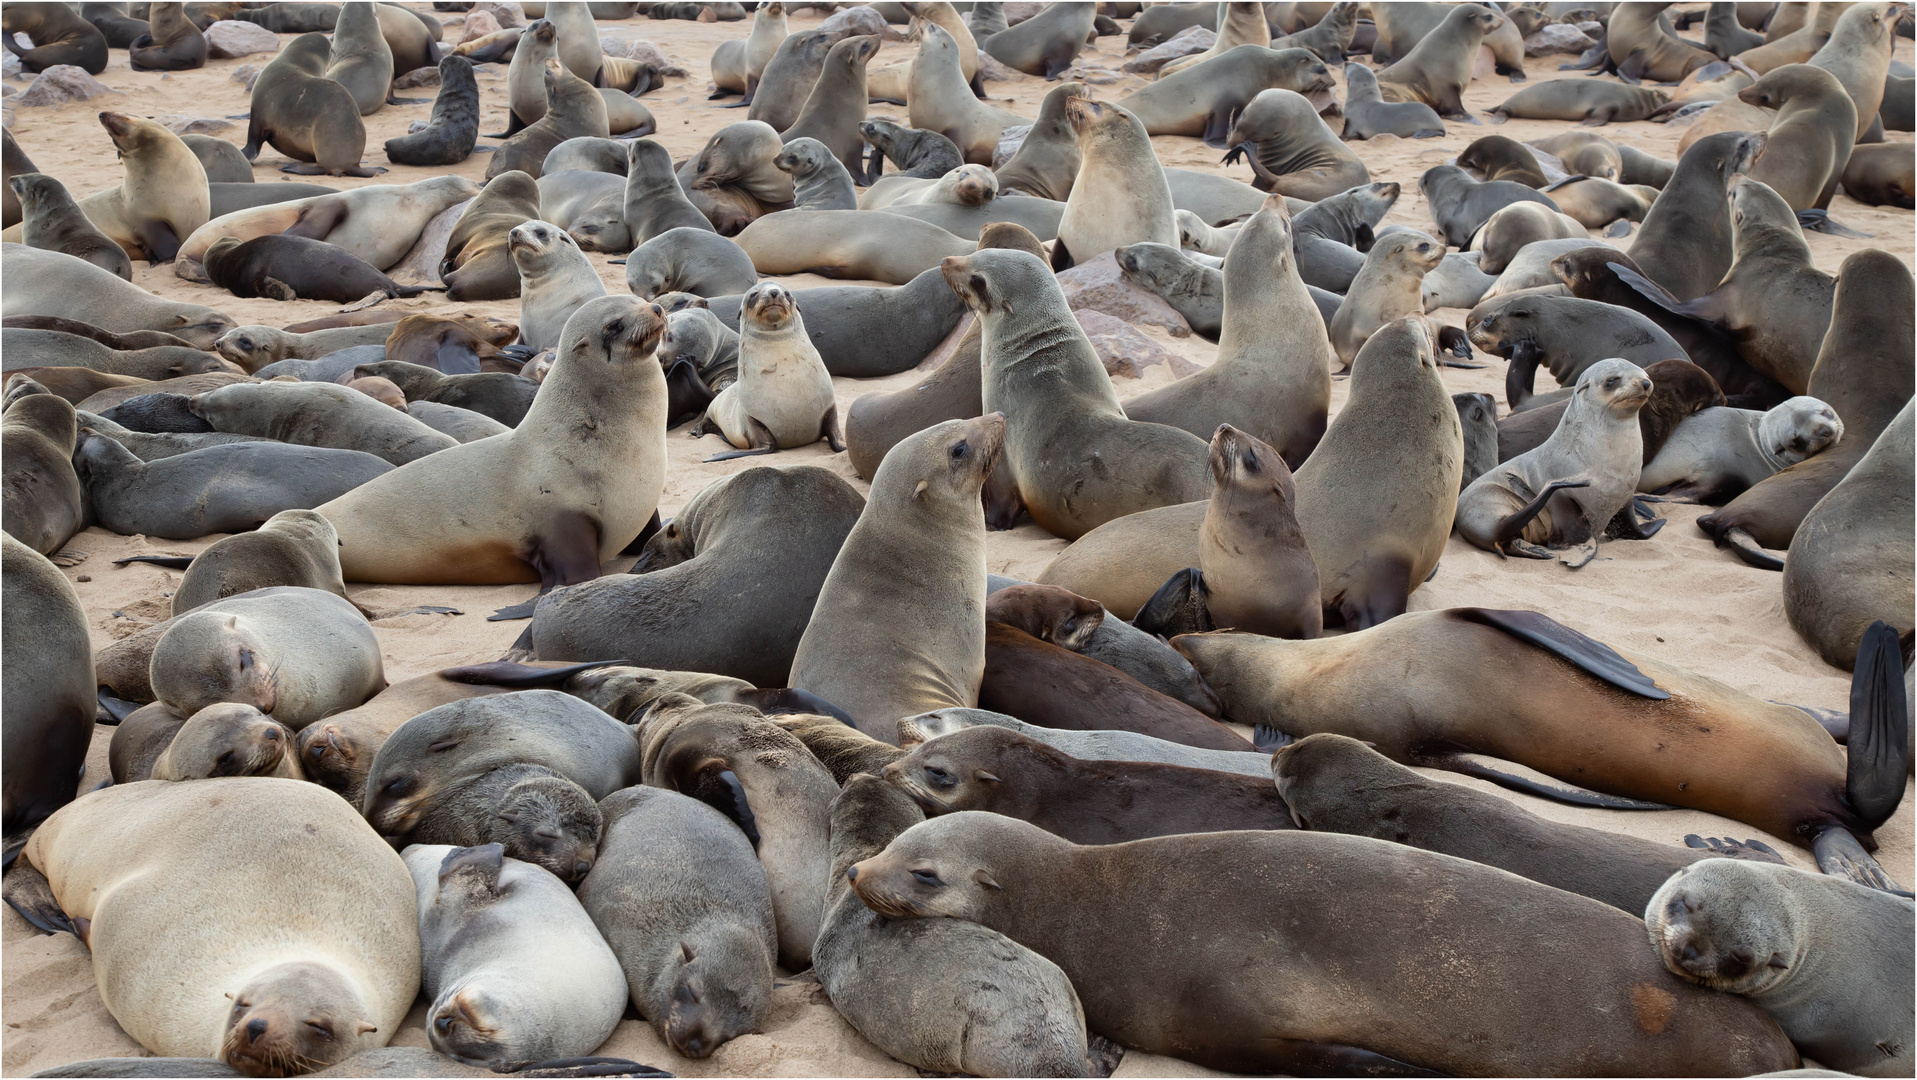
x,y
862,19
247,74
1192,39
1009,140
192,125
990,70
477,26
1096,284
1557,38
504,12
84,577
426,76
60,84
228,38
1126,352
1018,12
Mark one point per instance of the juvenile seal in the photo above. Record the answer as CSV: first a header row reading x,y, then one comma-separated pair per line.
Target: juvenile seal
x,y
1719,453
1512,228
1439,66
1460,204
53,221
335,973
1803,946
453,130
819,180
1046,161
1595,203
1338,784
293,653
1290,150
560,517
44,503
1258,573
1640,45
321,415
737,64
227,739
1045,44
681,898
1590,103
789,76
783,396
478,264
1076,460
1242,24
1495,157
1565,492
924,154
655,202
925,500
1368,114
833,110
1387,289
49,693
294,548
305,115
225,488
1586,153
1010,876
297,268
555,280
1272,377
503,397
689,260
513,968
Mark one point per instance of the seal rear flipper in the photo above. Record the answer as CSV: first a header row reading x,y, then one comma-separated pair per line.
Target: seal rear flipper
x,y
317,221
1217,128
1453,341
687,395
1878,747
1633,521
519,676
579,1067
158,240
171,562
638,545
1517,777
1840,854
1748,549
1727,848
790,700
1514,523
474,866
1820,221
1178,607
1620,227
27,891
116,709
1586,653
1298,1057
456,358
1269,739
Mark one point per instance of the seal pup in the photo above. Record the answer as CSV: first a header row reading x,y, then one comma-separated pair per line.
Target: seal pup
x,y
1495,157
1046,162
294,548
819,180
1821,955
695,261
927,153
1881,175
1290,150
360,60
1258,573
1368,114
453,129
1371,553
924,500
605,371
573,109
835,107
1001,1009
1337,784
1439,66
1273,384
297,268
1478,414
985,867
1796,785
53,221
44,504
319,414
1586,153
59,36
293,653
1563,334
1595,203
333,974
163,198
57,349
49,692
1809,140
1567,491
732,757
1051,436
1513,227
939,99
512,966
555,280
783,396
1000,771
1861,373
1387,289
740,155
1045,44
680,896
1843,572
1686,241
525,77
1719,453
589,205
227,739
501,396
305,115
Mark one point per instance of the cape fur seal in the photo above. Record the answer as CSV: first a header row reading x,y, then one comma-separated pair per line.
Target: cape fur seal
x,y
574,109
453,129
1389,287
849,244
53,221
293,653
1010,876
294,547
318,414
1720,452
1045,44
1439,66
163,198
227,739
1203,103
1686,240
305,115
1115,159
1290,150
49,693
1368,114
783,396
360,59
44,502
1046,161
1810,138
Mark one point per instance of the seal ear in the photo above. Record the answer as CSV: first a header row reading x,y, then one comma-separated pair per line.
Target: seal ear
x,y
482,864
986,880
686,951
364,1028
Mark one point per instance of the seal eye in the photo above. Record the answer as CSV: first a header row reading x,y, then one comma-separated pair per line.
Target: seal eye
x,y
958,450
546,832
224,759
928,879
321,1030
939,777
1611,383
616,327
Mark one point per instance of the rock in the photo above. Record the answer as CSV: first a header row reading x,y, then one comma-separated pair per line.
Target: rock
x,y
1017,12
1093,75
1557,38
1591,29
60,84
426,76
707,15
990,70
247,74
1097,285
477,26
192,125
646,53
1009,140
1126,352
1192,39
229,38
504,12
859,20
9,65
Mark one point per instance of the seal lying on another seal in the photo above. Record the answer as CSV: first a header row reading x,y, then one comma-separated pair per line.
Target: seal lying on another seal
x,y
227,739
1202,104
1721,452
294,547
305,115
513,968
333,973
319,414
1012,876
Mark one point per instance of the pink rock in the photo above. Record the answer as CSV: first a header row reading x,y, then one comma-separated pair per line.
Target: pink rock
x,y
1124,350
478,25
646,53
504,12
862,19
990,70
1557,38
1096,284
60,84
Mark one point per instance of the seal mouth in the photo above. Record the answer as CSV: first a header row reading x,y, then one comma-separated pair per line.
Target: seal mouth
x,y
881,899
898,778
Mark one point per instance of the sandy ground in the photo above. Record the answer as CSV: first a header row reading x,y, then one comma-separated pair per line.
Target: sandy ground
x,y
1674,598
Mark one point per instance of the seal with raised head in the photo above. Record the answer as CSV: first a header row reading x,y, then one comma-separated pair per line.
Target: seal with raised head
x,y
835,107
1046,161
1258,573
1461,204
1810,138
1824,957
681,897
51,220
1639,44
1686,240
1045,44
478,264
940,99
1387,289
783,396
333,973
512,968
819,180
163,198
59,36
305,115
44,502
453,129
360,60
1290,150
1440,65
573,109
556,516
1076,459
789,76
1120,195
655,202
555,280
49,693
1564,335
1242,24
924,513
1202,104
737,64
1272,377
1259,896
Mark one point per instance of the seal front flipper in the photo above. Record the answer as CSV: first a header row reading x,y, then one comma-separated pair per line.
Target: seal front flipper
x,y
158,240
830,431
566,552
1178,607
1633,521
1725,847
1840,854
1518,778
687,395
316,221
171,562
1587,653
1878,747
1514,523
759,440
1521,376
1217,128
519,676
790,700
1298,1057
26,891
514,125
115,709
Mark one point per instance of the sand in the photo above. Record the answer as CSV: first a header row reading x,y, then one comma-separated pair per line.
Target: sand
x,y
1675,598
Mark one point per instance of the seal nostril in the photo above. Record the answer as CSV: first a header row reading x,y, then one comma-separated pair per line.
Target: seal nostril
x,y
255,1028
